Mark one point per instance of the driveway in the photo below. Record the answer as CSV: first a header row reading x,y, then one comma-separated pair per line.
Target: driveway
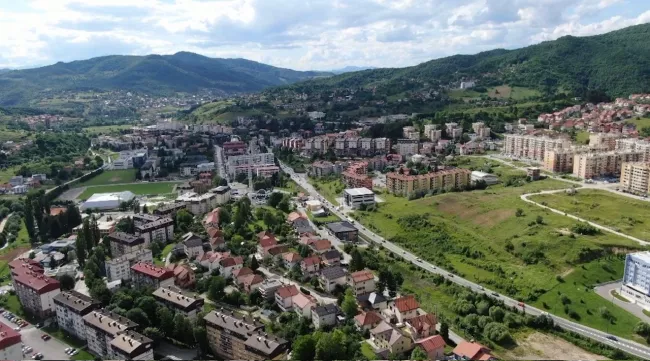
x,y
53,349
605,291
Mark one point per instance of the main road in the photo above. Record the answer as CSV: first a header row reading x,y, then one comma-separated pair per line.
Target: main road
x,y
625,345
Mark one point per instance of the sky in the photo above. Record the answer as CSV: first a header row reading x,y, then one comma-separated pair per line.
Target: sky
x,y
297,34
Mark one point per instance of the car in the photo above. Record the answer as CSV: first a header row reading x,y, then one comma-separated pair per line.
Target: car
x,y
16,328
481,288
46,337
68,349
610,337
450,275
495,294
74,352
419,260
403,252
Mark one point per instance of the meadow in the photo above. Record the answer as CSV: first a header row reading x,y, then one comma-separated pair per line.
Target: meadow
x,y
111,177
137,188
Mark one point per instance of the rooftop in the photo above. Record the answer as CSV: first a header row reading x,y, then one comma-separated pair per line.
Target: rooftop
x,y
155,224
362,276
337,227
233,322
76,301
152,270
179,298
332,273
359,191
131,342
109,322
122,237
8,336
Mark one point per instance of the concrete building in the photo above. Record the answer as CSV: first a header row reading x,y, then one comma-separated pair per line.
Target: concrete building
x,y
356,176
488,178
101,328
120,268
344,231
325,315
410,132
122,243
356,197
35,291
187,304
634,145
241,163
161,230
170,209
591,165
531,147
131,345
534,173
559,160
105,201
407,147
362,282
604,141
149,275
201,204
71,307
636,278
405,184
481,130
10,343
235,337
635,178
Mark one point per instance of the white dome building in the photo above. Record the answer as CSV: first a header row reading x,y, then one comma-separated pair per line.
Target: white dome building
x,y
103,201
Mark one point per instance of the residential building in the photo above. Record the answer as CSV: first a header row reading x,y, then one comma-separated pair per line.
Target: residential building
x,y
389,337
604,141
330,277
367,320
35,291
240,164
634,145
636,278
635,178
102,327
344,231
119,268
187,304
130,345
559,160
161,230
405,308
356,176
331,258
143,218
149,275
170,209
488,178
234,148
404,184
122,243
10,344
71,307
269,287
234,337
372,301
230,264
481,130
184,275
531,147
433,346
323,168
358,197
421,326
534,173
284,297
410,132
362,282
592,165
249,283
310,265
472,351
291,259
407,147
303,304
324,315
432,132
193,244
201,204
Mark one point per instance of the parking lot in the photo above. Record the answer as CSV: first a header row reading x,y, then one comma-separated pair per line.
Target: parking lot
x,y
51,349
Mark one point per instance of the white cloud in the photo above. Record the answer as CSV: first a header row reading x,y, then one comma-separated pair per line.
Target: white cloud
x,y
299,34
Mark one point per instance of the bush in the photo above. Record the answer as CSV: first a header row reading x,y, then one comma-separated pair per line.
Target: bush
x,y
497,332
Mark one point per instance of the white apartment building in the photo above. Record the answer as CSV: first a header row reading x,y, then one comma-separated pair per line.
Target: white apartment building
x,y
10,343
239,164
122,243
591,165
201,204
604,141
102,327
120,268
131,345
531,147
636,278
35,291
189,305
71,307
410,132
162,229
355,197
407,147
635,178
635,145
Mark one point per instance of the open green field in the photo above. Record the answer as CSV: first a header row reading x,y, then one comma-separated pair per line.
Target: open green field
x,y
137,188
640,123
484,164
499,92
7,173
624,214
328,188
582,137
111,177
107,129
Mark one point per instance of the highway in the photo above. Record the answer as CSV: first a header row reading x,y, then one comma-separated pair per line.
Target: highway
x,y
625,345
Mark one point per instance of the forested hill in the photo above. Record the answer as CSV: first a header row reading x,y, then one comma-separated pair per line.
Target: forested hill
x,y
617,63
153,74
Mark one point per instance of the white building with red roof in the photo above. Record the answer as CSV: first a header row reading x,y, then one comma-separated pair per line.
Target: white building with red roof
x,y
303,304
146,274
362,282
405,308
434,347
35,291
284,297
228,265
291,259
10,343
310,265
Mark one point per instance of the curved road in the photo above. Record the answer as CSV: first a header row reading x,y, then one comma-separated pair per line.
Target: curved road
x,y
625,345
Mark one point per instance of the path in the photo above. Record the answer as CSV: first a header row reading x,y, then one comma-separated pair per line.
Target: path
x,y
622,344
524,197
2,228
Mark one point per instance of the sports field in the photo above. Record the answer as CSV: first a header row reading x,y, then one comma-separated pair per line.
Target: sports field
x,y
111,177
160,188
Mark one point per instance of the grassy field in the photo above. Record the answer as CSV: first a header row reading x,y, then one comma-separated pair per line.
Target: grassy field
x,y
499,92
7,173
137,188
367,351
107,129
624,214
582,137
111,177
482,164
640,123
330,189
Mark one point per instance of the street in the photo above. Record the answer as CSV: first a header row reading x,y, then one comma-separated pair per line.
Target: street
x,y
628,346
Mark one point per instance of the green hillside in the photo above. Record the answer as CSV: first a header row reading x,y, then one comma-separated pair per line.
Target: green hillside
x,y
617,63
154,74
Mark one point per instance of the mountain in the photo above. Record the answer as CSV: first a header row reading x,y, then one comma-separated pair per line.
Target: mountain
x,y
617,63
350,69
154,74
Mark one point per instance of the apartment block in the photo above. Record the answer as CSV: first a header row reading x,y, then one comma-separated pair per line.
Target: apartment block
x,y
170,209
102,327
149,275
405,184
591,165
356,176
635,178
410,132
122,243
481,130
241,163
178,301
559,160
324,168
35,290
235,337
201,204
10,343
71,307
131,345
160,229
119,268
634,145
531,147
234,148
604,141
407,147
362,282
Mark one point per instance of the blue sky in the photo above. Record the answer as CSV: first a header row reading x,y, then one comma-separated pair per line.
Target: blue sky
x,y
297,34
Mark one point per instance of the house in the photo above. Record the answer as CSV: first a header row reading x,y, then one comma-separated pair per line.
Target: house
x,y
310,265
372,301
244,271
344,231
299,222
284,297
321,246
228,265
324,315
265,241
434,346
362,282
367,320
210,259
472,351
276,251
217,240
332,276
184,276
212,218
331,258
193,244
405,308
291,259
389,338
250,282
422,326
303,304
269,287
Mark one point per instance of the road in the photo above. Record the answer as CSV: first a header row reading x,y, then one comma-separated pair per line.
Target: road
x,y
605,291
628,346
326,235
53,349
219,160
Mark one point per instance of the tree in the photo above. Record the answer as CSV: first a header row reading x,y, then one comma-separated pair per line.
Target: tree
x,y
274,199
138,316
519,212
67,282
254,263
155,249
148,305
349,305
642,328
497,332
216,290
80,249
183,220
304,348
419,354
100,292
497,313
284,205
145,210
539,220
32,255
201,339
165,320
154,334
29,220
444,331
356,263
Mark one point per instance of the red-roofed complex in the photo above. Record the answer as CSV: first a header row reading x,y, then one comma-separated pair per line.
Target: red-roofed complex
x,y
472,351
362,282
405,308
10,347
35,291
284,297
234,148
149,275
434,346
356,176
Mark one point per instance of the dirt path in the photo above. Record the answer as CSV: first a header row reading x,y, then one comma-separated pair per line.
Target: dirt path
x,y
72,194
539,346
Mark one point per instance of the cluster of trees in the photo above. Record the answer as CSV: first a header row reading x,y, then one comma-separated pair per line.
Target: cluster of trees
x,y
585,229
40,224
49,147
